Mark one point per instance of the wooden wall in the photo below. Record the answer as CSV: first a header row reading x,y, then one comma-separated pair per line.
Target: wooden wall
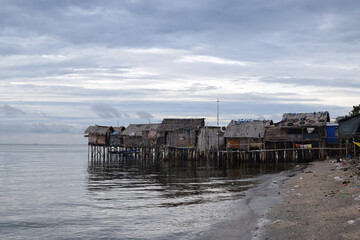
x,y
181,138
210,138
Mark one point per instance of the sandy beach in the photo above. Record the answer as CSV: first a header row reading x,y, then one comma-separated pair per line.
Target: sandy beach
x,y
321,202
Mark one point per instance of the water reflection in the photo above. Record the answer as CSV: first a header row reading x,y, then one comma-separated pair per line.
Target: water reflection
x,y
175,183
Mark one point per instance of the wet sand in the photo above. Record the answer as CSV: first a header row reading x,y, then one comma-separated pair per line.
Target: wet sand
x,y
248,223
322,202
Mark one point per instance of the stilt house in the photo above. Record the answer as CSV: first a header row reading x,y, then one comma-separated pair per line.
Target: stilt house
x,y
300,130
98,135
210,138
180,132
246,134
115,137
140,135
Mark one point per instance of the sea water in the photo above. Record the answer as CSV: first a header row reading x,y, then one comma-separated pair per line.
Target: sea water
x,y
56,192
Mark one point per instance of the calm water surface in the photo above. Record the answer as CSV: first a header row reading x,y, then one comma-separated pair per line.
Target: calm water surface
x,y
55,192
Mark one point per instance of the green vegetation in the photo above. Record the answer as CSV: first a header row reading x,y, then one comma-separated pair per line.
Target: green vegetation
x,y
355,111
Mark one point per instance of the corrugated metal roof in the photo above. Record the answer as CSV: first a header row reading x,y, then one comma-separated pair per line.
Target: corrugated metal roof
x,y
173,124
296,120
136,130
98,130
246,129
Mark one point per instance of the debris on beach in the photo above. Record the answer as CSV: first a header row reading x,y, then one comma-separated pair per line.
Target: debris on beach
x,y
337,178
333,188
276,222
351,222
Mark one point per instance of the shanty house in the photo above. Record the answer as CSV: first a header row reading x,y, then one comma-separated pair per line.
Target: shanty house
x,y
140,135
180,132
115,137
210,138
349,127
305,130
98,135
245,134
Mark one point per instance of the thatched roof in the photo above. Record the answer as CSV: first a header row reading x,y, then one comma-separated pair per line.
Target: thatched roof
x,y
298,120
98,130
246,129
136,130
173,124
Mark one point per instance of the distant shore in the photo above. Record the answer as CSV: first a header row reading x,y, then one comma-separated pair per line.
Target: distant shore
x,y
322,202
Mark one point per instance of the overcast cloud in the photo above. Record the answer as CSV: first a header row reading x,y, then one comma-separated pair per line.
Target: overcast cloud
x,y
8,110
68,64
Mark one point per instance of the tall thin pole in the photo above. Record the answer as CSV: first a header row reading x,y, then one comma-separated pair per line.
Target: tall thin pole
x,y
217,111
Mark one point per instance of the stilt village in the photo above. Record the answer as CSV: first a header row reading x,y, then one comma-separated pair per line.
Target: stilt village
x,y
297,137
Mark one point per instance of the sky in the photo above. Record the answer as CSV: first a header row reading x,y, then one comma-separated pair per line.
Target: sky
x,y
65,65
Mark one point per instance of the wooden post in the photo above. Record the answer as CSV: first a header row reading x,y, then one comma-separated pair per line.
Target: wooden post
x,y
265,153
354,147
346,149
92,152
104,152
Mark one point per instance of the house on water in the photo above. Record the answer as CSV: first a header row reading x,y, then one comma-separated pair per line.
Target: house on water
x,y
99,135
246,134
180,132
140,135
115,138
210,139
304,130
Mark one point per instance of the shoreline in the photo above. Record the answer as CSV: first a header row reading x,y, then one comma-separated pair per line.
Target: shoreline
x,y
321,202
249,222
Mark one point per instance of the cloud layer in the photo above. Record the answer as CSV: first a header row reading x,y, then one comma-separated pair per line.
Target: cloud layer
x,y
76,63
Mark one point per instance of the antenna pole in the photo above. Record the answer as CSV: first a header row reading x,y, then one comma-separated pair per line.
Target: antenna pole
x,y
217,101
